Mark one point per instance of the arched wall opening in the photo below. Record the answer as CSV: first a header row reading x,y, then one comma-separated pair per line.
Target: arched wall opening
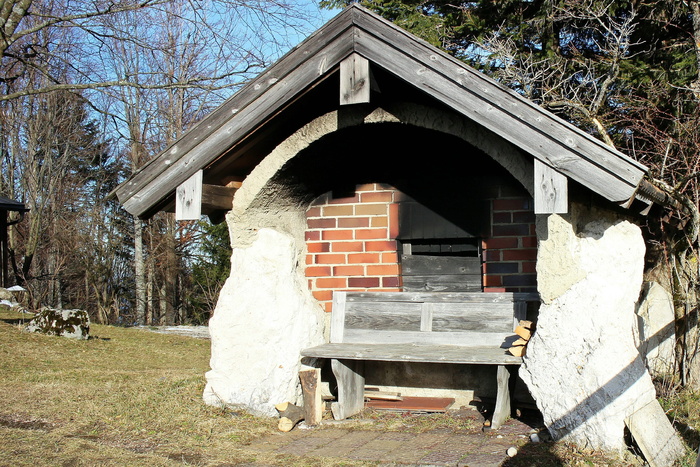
x,y
322,212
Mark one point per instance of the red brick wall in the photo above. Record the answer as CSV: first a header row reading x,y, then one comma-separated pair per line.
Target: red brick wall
x,y
352,243
510,253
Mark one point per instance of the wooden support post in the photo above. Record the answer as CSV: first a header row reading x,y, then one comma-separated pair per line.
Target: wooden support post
x,y
502,410
311,388
551,190
188,198
351,388
354,80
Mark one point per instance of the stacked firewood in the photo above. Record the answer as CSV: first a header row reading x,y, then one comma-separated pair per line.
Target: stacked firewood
x,y
524,331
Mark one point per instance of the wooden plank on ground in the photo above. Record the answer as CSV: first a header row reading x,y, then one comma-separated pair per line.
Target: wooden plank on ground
x,y
413,404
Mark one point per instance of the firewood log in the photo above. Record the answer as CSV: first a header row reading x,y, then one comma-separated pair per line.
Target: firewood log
x,y
517,351
523,332
290,415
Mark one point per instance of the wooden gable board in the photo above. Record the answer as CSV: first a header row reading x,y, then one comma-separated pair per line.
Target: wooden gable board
x,y
549,139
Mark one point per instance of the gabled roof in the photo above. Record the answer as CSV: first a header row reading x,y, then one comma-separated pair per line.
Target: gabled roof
x,y
229,130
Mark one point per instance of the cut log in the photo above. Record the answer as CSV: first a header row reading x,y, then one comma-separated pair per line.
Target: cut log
x,y
517,351
290,415
520,342
523,332
311,388
526,324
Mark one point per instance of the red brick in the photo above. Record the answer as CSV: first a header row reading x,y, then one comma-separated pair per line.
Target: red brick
x,y
393,220
321,223
511,230
366,187
313,235
359,258
338,211
347,246
318,271
492,281
376,197
390,257
371,209
524,217
345,199
492,255
328,307
330,258
511,204
318,247
353,222
349,270
323,295
383,270
314,211
388,245
382,221
520,255
370,234
363,282
391,282
344,234
529,242
332,283
495,289
506,242
528,267
502,218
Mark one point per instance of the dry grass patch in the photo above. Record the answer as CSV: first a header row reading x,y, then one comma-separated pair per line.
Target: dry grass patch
x,y
124,397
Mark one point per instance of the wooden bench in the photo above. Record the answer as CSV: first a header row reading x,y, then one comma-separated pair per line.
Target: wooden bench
x,y
461,328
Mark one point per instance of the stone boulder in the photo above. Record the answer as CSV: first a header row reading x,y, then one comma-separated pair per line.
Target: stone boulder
x,y
74,324
582,365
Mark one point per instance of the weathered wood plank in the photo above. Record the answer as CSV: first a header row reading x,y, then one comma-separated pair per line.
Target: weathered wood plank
x,y
441,283
314,44
216,197
439,265
338,317
279,93
512,117
464,339
551,190
351,384
188,198
354,80
414,353
490,297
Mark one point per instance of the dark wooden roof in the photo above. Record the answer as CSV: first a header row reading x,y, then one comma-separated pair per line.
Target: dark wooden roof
x,y
7,204
233,135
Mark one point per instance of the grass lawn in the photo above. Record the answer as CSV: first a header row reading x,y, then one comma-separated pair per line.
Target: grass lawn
x,y
132,397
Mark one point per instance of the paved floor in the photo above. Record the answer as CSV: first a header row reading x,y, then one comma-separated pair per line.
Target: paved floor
x,y
437,447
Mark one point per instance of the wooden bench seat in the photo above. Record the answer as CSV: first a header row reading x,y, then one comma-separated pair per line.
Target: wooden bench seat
x,y
456,328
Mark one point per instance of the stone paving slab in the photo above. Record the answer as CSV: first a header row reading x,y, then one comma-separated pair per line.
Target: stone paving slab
x,y
443,447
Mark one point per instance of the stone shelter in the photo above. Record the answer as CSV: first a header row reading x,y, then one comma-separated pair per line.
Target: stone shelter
x,y
365,159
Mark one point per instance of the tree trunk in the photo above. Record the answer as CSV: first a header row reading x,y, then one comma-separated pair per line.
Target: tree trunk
x,y
139,272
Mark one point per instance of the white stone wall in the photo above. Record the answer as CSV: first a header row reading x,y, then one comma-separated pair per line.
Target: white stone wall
x,y
262,320
582,365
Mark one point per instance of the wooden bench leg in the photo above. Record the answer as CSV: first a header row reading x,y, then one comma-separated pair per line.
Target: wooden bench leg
x,y
351,388
502,410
